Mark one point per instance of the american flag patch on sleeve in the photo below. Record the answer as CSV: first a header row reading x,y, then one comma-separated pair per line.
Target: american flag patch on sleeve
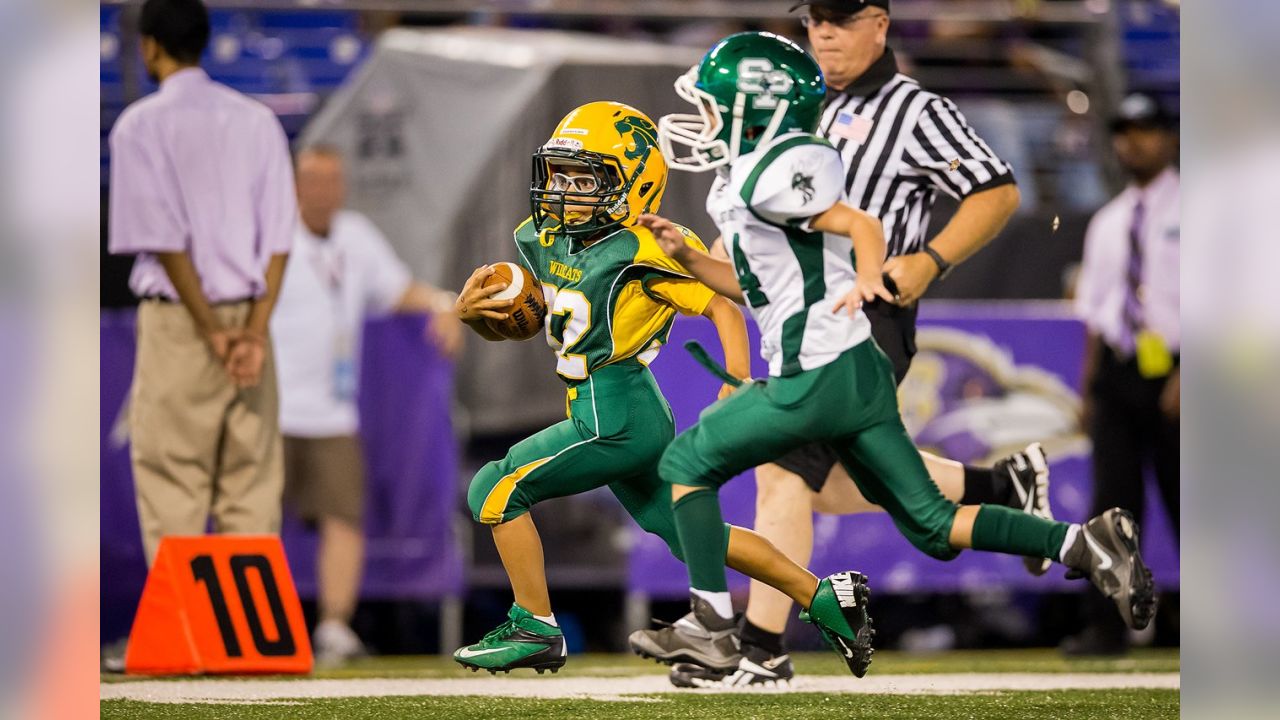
x,y
851,126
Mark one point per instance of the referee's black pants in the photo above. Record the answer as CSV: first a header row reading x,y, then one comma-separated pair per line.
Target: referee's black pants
x,y
1129,434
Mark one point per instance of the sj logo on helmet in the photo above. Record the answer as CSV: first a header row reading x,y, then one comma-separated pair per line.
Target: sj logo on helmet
x,y
758,77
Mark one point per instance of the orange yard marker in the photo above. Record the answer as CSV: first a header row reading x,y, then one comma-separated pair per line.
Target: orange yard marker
x,y
219,604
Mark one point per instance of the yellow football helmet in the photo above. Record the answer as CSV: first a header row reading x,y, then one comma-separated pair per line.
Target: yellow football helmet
x,y
604,158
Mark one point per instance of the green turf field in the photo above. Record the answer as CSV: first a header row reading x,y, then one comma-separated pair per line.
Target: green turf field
x,y
743,706
603,686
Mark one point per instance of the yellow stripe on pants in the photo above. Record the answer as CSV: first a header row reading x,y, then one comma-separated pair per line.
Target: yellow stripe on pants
x,y
495,504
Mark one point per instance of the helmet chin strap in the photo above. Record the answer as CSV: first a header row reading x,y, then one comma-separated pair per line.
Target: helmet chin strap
x,y
774,122
735,130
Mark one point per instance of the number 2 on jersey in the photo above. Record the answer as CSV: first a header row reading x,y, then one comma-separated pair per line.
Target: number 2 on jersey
x,y
576,309
747,279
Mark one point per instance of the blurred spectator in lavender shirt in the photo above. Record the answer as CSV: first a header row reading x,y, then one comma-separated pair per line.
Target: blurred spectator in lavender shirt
x,y
202,193
1128,297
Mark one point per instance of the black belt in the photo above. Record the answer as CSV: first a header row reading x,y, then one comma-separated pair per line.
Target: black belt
x,y
174,301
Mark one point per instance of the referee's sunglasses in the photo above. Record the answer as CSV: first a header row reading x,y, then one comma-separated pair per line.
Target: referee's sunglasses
x,y
817,16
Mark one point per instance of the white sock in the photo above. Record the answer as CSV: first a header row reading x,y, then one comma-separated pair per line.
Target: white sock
x,y
548,619
719,601
1067,542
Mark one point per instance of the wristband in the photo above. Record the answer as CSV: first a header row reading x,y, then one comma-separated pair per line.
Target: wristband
x,y
944,267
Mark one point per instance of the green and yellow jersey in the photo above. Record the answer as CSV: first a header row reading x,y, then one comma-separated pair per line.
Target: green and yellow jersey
x,y
610,302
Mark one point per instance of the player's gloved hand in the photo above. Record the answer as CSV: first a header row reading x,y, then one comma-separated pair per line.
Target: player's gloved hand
x,y
668,236
473,302
866,288
912,273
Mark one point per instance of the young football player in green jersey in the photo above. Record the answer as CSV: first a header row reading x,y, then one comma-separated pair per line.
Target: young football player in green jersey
x,y
611,295
777,202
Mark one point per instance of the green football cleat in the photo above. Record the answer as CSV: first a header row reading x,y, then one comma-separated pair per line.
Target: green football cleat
x,y
839,611
523,641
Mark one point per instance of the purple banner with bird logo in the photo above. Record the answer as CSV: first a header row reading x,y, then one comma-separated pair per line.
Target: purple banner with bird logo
x,y
988,379
411,461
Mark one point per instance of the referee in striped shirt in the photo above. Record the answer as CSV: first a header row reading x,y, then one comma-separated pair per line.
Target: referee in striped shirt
x,y
901,145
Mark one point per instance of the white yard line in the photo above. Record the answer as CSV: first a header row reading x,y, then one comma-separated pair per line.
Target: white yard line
x,y
608,688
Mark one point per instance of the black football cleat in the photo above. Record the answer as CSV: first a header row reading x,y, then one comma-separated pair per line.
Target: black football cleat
x,y
1028,473
1106,551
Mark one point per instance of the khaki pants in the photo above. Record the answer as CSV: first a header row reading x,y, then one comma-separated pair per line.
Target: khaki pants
x,y
199,445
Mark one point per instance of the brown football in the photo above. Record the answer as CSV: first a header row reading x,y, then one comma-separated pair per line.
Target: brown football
x,y
527,312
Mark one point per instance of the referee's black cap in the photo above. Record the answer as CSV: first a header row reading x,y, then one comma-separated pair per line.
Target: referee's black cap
x,y
1143,111
847,7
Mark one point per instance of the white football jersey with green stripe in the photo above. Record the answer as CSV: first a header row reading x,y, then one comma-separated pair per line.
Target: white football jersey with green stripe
x,y
791,275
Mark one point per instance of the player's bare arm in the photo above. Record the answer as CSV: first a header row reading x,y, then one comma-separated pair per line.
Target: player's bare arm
x,y
869,249
732,329
980,217
474,305
715,274
717,249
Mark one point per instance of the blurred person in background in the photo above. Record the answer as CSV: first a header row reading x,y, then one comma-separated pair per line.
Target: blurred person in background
x,y
201,192
1128,297
343,271
900,145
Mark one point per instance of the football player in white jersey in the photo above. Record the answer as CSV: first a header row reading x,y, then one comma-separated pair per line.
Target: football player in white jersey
x,y
793,247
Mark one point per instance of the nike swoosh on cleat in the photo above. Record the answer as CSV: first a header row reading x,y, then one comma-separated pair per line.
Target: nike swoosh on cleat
x,y
691,628
469,653
1104,560
1023,495
754,668
1027,496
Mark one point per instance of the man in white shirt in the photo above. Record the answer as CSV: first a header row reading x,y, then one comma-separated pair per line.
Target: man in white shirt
x,y
343,271
1128,297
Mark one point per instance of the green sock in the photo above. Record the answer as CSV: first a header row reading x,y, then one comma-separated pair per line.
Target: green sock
x,y
703,539
1002,529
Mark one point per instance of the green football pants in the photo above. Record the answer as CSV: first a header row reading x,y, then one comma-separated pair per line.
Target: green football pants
x,y
619,424
850,404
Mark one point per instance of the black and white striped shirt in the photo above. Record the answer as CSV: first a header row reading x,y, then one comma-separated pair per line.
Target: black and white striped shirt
x,y
901,144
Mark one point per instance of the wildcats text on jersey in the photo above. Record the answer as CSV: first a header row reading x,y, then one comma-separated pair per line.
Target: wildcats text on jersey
x,y
565,272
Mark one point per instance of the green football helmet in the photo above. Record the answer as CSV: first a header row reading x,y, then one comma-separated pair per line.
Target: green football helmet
x,y
748,89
